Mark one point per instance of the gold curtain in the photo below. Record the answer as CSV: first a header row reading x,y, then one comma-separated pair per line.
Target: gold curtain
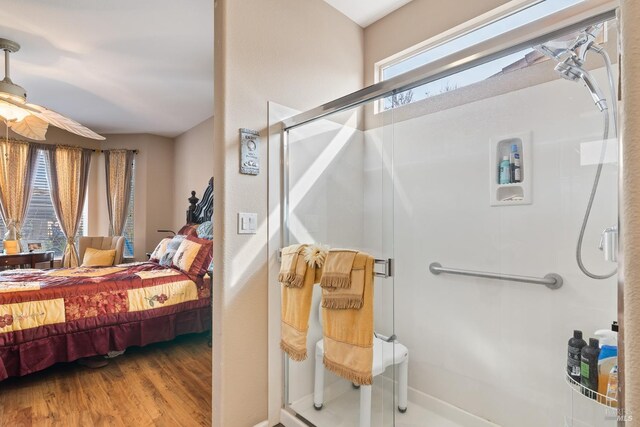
x,y
68,170
17,169
119,168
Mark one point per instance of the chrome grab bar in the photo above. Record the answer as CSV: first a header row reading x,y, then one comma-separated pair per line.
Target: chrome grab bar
x,y
551,280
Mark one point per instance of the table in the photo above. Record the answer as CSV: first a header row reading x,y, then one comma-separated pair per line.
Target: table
x,y
26,258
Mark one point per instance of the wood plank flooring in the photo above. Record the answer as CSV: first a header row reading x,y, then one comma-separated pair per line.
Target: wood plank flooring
x,y
164,384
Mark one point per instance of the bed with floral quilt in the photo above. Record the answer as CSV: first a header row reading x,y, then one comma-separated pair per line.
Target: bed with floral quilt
x,y
51,316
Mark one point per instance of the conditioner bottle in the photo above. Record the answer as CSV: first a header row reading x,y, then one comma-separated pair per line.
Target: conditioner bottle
x,y
589,368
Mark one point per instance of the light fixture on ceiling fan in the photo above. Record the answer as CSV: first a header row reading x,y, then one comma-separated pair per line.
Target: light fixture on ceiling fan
x,y
30,120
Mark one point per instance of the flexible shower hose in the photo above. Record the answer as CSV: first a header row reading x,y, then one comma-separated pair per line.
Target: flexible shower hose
x,y
596,181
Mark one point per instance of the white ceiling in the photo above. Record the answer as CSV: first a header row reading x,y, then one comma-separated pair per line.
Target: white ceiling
x,y
116,66
366,12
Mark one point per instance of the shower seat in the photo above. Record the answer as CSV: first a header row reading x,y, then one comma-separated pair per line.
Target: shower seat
x,y
385,354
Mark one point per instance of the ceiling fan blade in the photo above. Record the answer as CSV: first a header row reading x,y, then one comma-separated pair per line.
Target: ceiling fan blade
x,y
58,120
30,127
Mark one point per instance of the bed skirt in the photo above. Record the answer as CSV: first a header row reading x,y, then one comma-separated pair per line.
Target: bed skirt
x,y
36,355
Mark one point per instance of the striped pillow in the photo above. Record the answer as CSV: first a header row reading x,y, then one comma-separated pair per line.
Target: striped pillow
x,y
189,230
193,256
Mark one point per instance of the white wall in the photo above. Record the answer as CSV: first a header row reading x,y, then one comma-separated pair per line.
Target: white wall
x,y
496,349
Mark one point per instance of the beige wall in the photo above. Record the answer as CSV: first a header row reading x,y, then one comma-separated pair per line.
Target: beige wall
x,y
193,167
299,54
416,22
630,207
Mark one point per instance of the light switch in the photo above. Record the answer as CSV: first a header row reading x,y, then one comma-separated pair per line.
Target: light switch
x,y
247,223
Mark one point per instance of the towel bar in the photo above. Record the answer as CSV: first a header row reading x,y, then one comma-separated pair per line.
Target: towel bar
x,y
551,280
388,265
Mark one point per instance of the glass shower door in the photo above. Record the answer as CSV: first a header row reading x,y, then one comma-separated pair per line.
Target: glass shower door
x,y
340,191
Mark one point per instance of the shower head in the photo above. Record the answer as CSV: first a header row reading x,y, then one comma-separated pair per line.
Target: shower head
x,y
574,72
571,54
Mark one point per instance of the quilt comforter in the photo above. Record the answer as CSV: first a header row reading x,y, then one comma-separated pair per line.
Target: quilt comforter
x,y
50,316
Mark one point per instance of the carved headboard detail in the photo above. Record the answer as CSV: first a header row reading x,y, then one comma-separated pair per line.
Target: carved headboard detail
x,y
201,210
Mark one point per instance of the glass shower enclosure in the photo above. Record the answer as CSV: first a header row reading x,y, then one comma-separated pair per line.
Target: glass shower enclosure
x,y
490,206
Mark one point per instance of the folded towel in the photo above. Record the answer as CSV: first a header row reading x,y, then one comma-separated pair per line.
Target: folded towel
x,y
296,306
351,297
290,275
337,269
348,333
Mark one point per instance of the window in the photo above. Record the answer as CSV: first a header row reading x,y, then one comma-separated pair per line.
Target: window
x,y
41,224
437,50
128,228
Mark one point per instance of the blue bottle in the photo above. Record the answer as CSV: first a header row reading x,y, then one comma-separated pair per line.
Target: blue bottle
x,y
505,171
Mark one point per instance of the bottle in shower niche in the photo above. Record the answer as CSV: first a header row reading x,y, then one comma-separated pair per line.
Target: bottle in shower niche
x,y
505,171
514,164
589,368
575,347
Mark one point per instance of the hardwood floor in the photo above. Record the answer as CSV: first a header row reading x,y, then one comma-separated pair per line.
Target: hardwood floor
x,y
164,384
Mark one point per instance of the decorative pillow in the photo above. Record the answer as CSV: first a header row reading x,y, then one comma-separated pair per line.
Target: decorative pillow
x,y
166,260
160,250
205,230
194,256
98,258
189,230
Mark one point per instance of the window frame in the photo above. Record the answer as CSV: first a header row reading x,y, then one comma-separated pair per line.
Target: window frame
x,y
481,21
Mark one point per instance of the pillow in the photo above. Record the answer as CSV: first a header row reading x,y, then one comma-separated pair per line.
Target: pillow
x,y
98,258
189,230
205,230
160,250
166,260
194,256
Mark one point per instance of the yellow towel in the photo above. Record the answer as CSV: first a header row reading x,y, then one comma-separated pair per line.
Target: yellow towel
x,y
337,269
296,306
348,333
351,297
289,274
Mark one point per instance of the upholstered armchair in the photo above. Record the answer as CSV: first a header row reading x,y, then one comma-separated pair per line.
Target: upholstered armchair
x,y
112,242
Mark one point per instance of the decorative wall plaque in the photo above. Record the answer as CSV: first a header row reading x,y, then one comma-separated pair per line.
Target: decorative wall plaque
x,y
249,156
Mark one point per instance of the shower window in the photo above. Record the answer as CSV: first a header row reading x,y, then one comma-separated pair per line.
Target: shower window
x,y
437,49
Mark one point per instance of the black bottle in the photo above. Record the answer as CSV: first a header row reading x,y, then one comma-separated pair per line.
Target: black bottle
x,y
589,368
573,356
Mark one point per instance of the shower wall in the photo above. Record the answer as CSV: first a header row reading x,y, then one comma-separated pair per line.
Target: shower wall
x,y
496,349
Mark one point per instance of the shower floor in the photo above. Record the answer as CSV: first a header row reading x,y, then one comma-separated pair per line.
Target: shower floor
x,y
423,410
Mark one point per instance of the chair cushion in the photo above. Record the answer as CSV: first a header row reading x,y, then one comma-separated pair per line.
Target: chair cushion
x,y
194,256
98,258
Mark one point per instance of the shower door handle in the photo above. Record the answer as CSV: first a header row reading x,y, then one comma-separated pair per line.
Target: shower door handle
x,y
388,268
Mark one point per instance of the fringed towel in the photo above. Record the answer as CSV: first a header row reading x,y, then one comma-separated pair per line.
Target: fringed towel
x,y
291,271
296,301
348,333
337,269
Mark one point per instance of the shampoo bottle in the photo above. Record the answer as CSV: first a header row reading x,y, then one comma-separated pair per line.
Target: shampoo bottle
x,y
505,171
573,356
589,368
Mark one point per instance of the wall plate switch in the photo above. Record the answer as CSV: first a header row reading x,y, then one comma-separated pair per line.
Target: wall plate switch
x,y
247,223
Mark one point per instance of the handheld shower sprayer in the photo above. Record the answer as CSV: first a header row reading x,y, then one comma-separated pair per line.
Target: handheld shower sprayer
x,y
571,55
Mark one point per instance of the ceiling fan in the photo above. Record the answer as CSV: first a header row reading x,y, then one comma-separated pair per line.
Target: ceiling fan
x,y
30,120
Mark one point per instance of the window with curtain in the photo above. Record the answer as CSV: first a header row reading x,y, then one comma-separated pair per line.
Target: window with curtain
x,y
41,224
128,228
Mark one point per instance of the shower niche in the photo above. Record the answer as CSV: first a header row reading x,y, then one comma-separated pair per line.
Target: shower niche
x,y
513,193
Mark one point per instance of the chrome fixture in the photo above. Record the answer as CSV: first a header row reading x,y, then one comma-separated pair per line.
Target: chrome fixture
x,y
551,280
609,243
571,54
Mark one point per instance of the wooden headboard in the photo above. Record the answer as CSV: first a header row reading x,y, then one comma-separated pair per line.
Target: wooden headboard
x,y
201,210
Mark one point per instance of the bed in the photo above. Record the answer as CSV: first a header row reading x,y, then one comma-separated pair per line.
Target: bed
x,y
61,315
